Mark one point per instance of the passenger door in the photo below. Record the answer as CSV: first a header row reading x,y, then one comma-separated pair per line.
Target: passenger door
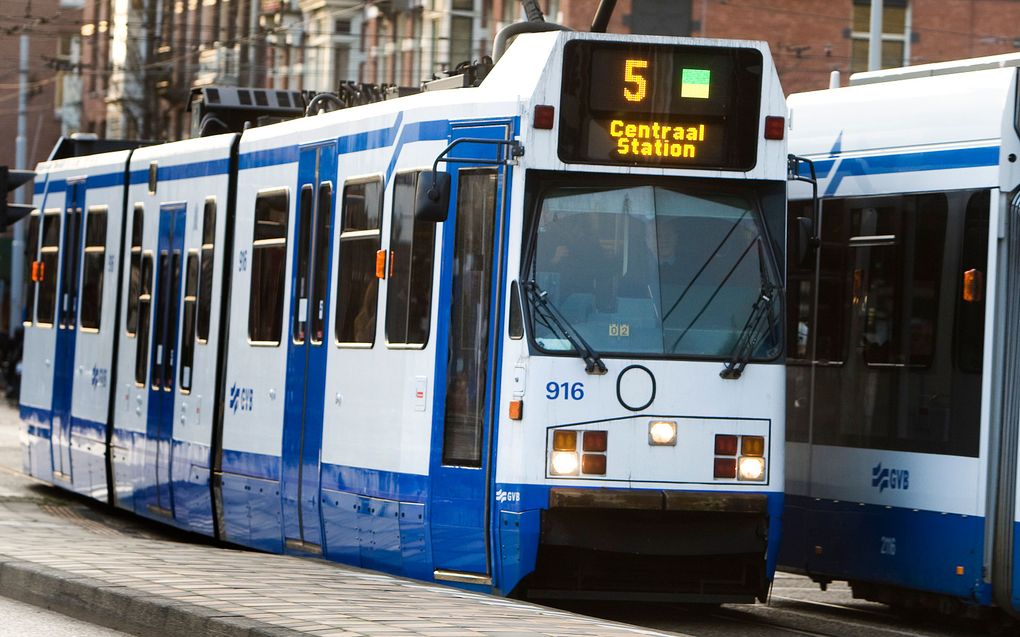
x,y
468,352
67,328
163,356
306,349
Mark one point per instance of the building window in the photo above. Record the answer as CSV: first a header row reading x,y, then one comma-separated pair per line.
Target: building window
x,y
268,266
357,283
409,290
895,34
94,263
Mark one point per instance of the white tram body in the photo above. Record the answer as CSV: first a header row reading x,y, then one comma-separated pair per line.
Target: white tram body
x,y
902,424
294,362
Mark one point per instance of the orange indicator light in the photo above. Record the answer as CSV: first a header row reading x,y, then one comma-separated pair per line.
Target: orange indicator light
x,y
752,446
973,286
380,264
564,440
516,409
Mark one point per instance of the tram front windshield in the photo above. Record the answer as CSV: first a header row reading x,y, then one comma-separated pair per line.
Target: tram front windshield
x,y
653,270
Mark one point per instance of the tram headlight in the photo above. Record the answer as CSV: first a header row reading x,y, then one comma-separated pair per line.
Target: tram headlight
x,y
751,469
563,463
662,433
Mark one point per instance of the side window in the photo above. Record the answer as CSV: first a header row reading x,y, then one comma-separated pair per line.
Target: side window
x,y
206,272
412,249
69,292
31,267
144,314
135,276
268,266
896,277
188,327
969,332
49,254
320,266
93,265
358,283
304,231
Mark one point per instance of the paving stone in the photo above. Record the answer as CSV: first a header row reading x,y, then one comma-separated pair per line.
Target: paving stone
x,y
167,588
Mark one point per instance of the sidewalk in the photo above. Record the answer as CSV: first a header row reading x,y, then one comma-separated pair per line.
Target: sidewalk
x,y
54,553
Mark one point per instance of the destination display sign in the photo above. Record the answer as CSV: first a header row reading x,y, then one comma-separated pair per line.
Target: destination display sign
x,y
660,105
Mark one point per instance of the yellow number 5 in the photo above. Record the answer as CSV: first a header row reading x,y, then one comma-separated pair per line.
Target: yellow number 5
x,y
639,81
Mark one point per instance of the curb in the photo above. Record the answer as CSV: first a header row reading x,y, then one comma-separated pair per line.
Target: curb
x,y
122,608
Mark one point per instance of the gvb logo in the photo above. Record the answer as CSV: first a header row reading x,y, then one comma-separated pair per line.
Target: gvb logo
x,y
885,478
242,398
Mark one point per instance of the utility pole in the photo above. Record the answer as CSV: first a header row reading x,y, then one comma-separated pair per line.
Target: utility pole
x,y
875,37
18,243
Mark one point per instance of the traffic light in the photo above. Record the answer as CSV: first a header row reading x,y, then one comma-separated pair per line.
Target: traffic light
x,y
11,180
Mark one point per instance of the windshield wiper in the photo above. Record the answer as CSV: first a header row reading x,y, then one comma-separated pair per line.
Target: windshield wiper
x,y
556,322
750,335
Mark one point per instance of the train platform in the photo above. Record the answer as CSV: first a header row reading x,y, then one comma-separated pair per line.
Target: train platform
x,y
66,555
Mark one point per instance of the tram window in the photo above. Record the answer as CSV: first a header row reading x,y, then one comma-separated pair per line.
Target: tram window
x,y
323,230
896,277
188,327
969,330
144,314
830,321
468,356
897,385
93,265
206,269
268,266
799,329
49,255
412,249
304,231
135,276
68,310
31,267
357,285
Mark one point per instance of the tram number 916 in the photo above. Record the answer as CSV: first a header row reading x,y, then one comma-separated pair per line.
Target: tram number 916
x,y
566,391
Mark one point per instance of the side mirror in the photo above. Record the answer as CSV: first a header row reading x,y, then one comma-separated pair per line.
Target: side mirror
x,y
807,242
432,196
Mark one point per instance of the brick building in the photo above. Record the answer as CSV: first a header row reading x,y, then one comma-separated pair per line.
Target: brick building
x,y
53,74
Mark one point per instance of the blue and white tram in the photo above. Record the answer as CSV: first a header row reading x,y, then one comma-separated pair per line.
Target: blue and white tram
x,y
902,413
554,365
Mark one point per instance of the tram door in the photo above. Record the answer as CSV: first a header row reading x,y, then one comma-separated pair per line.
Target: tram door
x,y
163,354
307,348
467,360
67,324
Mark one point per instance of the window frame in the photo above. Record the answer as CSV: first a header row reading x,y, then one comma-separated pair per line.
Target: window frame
x,y
267,192
31,285
345,235
189,337
865,36
134,250
54,249
86,249
405,344
145,291
204,305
